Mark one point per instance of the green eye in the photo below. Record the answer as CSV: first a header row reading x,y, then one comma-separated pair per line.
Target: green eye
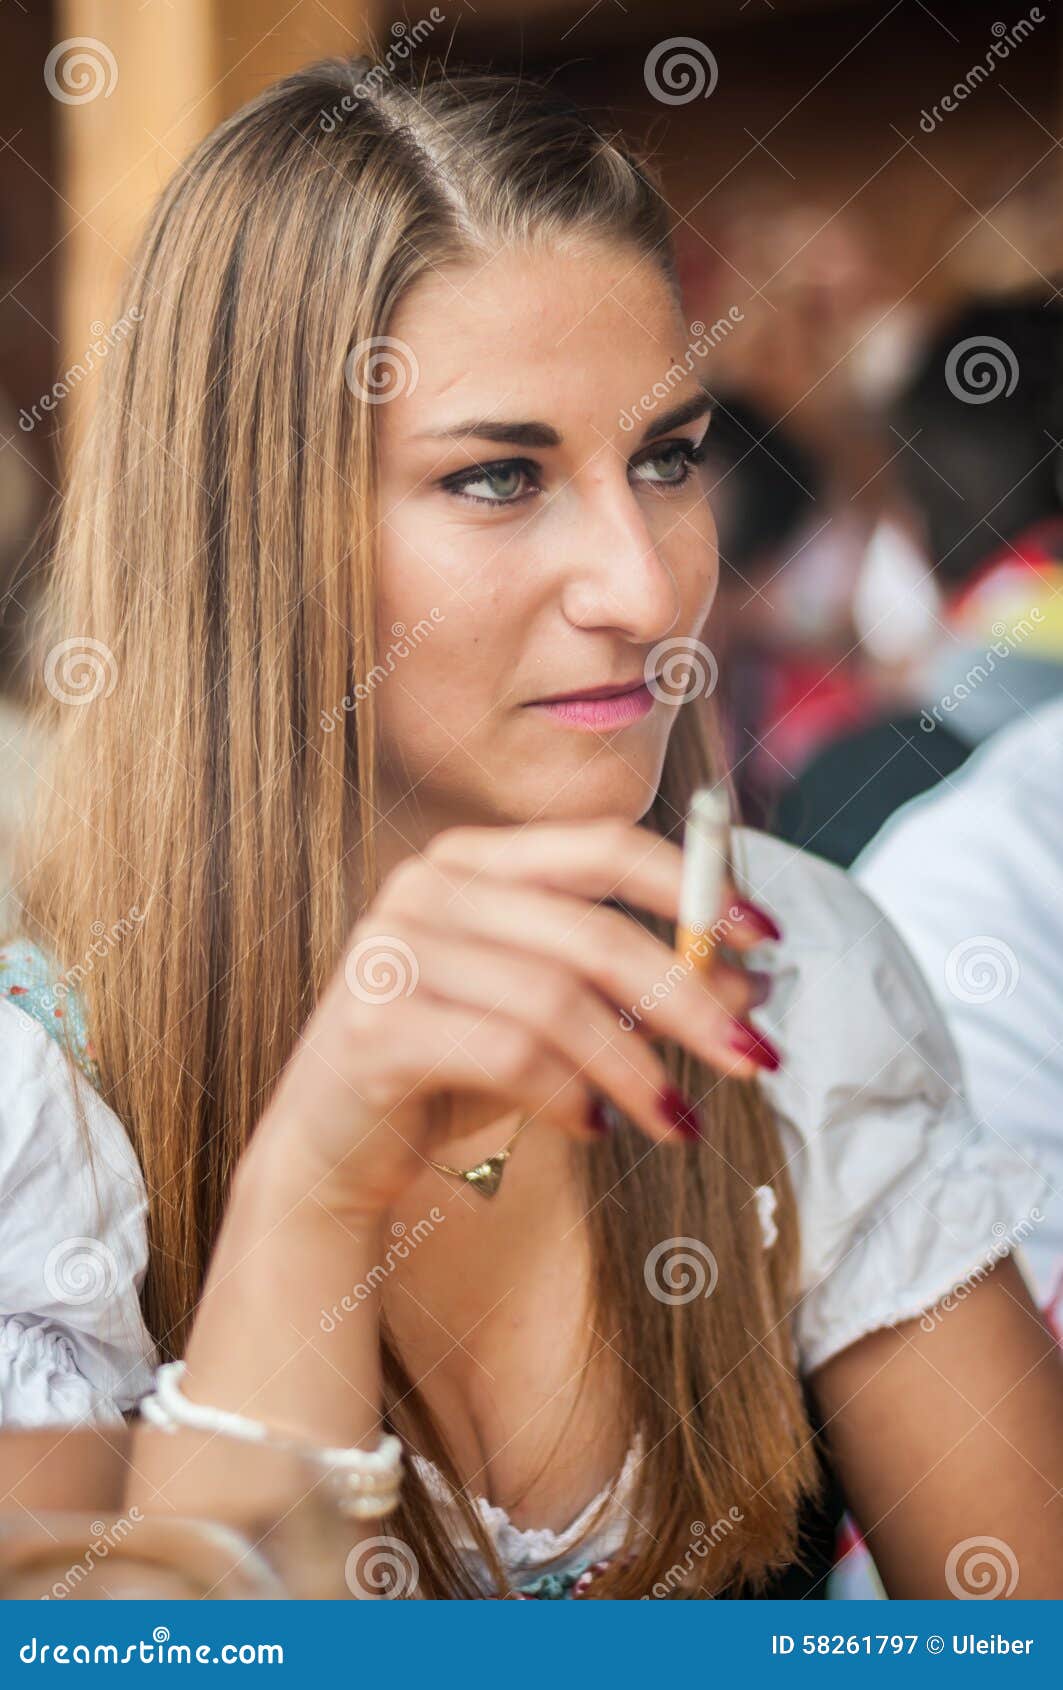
x,y
503,478
677,457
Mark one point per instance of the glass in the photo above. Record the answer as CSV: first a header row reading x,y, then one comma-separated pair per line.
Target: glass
x,y
136,1512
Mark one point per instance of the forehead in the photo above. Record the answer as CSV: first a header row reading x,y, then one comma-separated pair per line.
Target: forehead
x,y
566,332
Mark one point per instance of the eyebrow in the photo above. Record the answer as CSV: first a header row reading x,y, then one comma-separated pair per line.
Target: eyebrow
x,y
543,434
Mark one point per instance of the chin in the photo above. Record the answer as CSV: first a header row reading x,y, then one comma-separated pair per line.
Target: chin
x,y
614,794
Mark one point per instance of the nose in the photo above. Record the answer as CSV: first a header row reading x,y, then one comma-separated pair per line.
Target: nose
x,y
616,576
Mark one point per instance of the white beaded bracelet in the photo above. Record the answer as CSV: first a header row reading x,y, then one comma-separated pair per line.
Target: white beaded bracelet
x,y
368,1479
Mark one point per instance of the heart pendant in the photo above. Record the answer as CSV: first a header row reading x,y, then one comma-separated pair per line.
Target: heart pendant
x,y
487,1176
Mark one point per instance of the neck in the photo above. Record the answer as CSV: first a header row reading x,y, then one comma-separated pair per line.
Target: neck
x,y
541,1173
408,820
395,839
472,1142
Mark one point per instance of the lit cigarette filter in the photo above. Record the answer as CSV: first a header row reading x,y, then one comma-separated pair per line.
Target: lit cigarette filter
x,y
704,874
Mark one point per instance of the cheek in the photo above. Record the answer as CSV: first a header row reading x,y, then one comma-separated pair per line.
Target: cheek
x,y
430,563
689,549
430,699
451,578
439,643
409,584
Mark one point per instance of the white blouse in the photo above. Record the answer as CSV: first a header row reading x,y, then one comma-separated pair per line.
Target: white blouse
x,y
901,1193
73,1242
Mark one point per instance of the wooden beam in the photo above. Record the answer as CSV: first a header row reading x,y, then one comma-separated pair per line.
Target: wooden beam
x,y
133,97
136,86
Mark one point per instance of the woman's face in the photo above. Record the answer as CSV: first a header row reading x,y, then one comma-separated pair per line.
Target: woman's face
x,y
534,542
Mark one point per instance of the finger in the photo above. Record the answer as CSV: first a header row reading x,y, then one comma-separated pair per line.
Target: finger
x,y
593,860
560,1008
736,989
629,966
742,924
599,860
491,1056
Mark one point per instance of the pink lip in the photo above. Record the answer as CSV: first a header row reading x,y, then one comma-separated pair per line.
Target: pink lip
x,y
598,715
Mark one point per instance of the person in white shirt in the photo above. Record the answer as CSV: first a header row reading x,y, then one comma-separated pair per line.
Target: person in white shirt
x,y
972,876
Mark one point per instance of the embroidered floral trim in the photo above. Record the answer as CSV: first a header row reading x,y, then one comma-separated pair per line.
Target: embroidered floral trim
x,y
29,979
551,1587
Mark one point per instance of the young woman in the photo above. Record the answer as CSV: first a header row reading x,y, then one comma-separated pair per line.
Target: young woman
x,y
333,900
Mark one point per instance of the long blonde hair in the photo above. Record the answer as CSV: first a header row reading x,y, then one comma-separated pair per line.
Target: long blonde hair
x,y
214,566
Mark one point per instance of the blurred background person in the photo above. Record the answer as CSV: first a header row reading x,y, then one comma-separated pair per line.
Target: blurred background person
x,y
976,428
972,875
799,499
763,485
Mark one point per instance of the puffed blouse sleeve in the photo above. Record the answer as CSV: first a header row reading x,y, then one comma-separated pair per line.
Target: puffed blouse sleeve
x,y
73,1247
903,1195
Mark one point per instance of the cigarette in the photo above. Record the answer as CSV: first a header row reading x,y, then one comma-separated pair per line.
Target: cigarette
x,y
704,874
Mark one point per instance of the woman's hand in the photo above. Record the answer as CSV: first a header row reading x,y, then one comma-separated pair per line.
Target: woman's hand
x,y
489,976
486,977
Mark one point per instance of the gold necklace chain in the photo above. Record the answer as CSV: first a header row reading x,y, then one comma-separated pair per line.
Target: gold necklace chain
x,y
486,1176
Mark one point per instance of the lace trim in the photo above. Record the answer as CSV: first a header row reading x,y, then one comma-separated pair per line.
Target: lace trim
x,y
517,1545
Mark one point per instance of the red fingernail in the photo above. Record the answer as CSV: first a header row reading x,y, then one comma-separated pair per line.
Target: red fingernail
x,y
758,919
597,1118
748,1042
679,1112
